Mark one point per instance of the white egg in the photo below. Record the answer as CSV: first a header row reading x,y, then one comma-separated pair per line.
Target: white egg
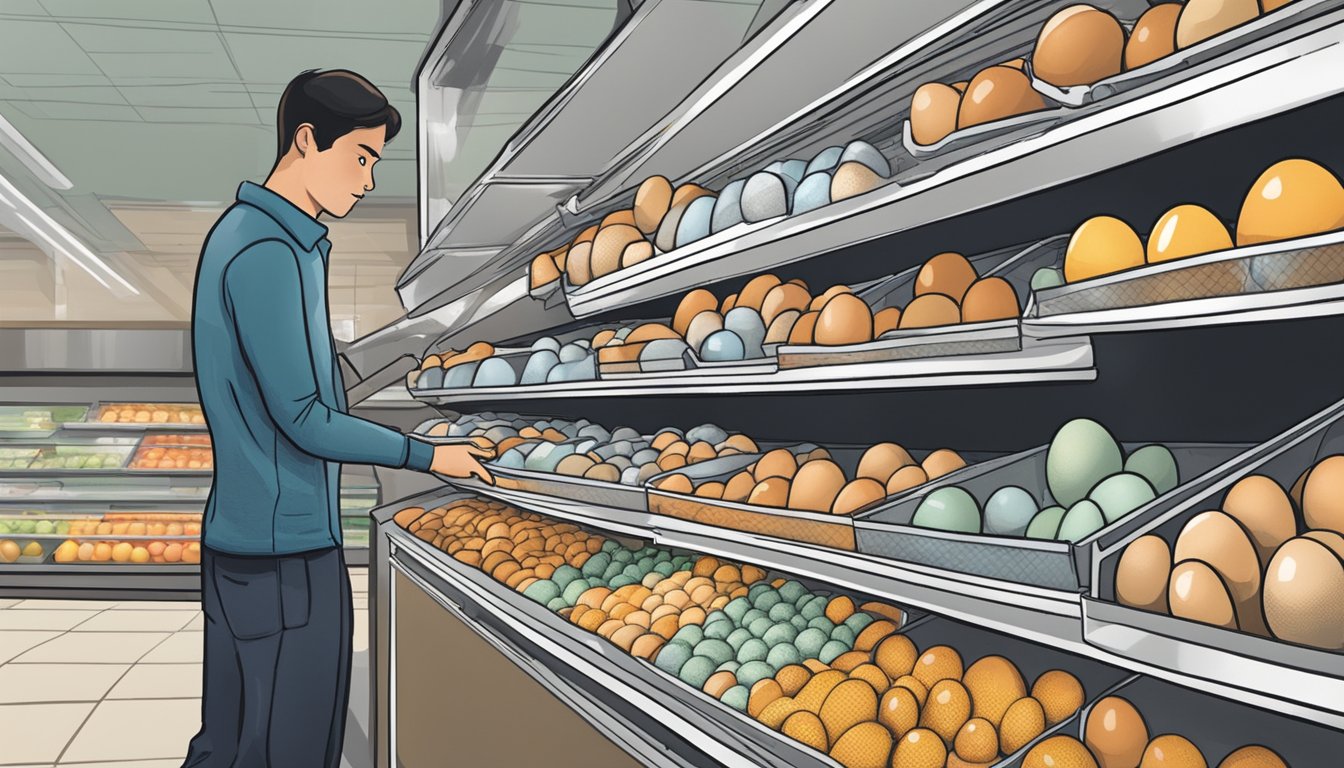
x,y
728,207
766,196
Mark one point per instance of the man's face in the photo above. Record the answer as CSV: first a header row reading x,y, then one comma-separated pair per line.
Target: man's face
x,y
342,174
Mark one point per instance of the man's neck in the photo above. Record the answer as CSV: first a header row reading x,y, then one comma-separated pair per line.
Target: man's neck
x,y
286,182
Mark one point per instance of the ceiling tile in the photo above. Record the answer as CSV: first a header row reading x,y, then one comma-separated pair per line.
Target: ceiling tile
x,y
24,8
43,80
300,15
196,11
96,38
189,94
272,58
211,63
219,116
75,94
65,110
40,47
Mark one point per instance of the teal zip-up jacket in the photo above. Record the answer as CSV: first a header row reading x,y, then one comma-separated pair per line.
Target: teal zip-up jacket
x,y
267,376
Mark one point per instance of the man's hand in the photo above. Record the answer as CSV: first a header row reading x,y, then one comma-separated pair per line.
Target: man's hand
x,y
462,460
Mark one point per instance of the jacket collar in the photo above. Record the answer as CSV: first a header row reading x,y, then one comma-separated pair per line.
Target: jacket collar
x,y
305,230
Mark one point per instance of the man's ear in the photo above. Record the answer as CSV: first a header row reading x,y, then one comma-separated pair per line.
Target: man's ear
x,y
304,140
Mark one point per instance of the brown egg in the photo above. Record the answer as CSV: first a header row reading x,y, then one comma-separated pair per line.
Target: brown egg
x,y
853,179
671,461
719,683
652,200
1022,723
729,302
608,246
929,311
792,678
1323,495
692,304
849,703
1116,733
815,692
1292,198
676,484
601,338
1060,695
1079,45
782,326
1153,37
898,711
762,694
1187,230
816,486
782,298
1143,573
805,727
1330,539
1273,5
804,329
946,710
866,745
911,683
771,492
560,255
858,494
989,299
920,748
1304,594
739,487
646,646
701,451
625,216
846,319
1202,19
885,320
996,93
1059,752
947,273
754,293
871,674
1102,245
941,462
839,608
651,332
830,293
1197,593
977,742
933,112
994,684
1172,751
1264,510
906,478
1219,541
710,490
579,265
776,463
1253,756
543,271
881,461
940,662
686,194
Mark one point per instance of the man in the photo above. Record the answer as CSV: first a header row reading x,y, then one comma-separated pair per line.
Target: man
x,y
274,586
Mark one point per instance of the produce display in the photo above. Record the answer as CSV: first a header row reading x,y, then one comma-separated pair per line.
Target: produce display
x,y
810,480
150,413
1290,199
138,552
1117,736
17,458
174,452
1091,483
1245,566
78,457
11,550
25,418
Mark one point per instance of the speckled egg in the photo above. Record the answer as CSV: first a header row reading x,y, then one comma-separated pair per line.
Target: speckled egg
x,y
863,152
766,196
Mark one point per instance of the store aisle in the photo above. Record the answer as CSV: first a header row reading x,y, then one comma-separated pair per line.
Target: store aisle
x,y
118,684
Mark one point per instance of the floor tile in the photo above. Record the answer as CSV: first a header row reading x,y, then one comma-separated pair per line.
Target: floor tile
x,y
94,648
160,605
35,733
181,648
7,603
13,643
360,641
65,605
361,603
126,620
197,624
359,580
56,620
162,729
160,681
35,683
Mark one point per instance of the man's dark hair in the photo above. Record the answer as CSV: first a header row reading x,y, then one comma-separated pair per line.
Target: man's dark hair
x,y
334,102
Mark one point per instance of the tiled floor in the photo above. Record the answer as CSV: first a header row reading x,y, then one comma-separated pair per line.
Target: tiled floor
x,y
117,684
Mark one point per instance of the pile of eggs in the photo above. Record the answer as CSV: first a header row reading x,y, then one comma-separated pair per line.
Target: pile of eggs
x,y
889,705
665,218
809,480
1292,198
948,291
995,93
1116,736
1245,567
549,361
1090,480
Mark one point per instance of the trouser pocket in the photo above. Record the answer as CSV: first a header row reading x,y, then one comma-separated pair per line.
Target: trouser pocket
x,y
249,594
295,595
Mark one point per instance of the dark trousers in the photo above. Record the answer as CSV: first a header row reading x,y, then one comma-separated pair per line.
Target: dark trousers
x,y
277,661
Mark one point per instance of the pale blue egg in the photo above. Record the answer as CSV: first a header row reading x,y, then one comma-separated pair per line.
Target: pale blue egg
x,y
431,378
749,327
1121,494
539,365
1082,454
1157,465
1009,511
495,372
948,509
722,347
546,456
814,192
728,207
663,349
512,458
572,353
1082,520
794,169
826,161
863,152
1046,277
548,343
694,224
707,433
461,376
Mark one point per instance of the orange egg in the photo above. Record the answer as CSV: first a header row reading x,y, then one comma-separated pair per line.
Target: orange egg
x,y
1292,198
543,271
990,299
782,298
941,462
906,478
1186,230
1079,45
930,311
846,319
753,294
1153,36
947,273
1202,19
881,461
652,200
857,494
692,304
776,463
803,331
933,112
997,93
816,486
771,492
1102,245
1172,751
1323,495
885,320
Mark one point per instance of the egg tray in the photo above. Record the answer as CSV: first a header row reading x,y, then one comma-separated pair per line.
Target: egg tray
x,y
1016,265
1169,641
576,489
1060,565
1220,50
1292,264
1217,726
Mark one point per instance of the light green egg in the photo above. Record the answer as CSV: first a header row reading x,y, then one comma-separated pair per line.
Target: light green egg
x,y
766,600
754,649
844,634
1082,520
717,650
575,589
720,630
691,634
672,656
1046,277
858,621
810,641
610,545
1080,456
799,623
696,671
948,509
621,580
760,626
542,590
822,623
751,616
737,608
596,565
753,672
813,608
783,655
738,637
664,569
1119,495
728,666
831,650
782,632
791,591
635,572
565,574
716,617
736,697
1045,525
621,555
782,612
1155,464
558,604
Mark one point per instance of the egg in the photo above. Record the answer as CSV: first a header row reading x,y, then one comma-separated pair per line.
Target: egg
x,y
1008,512
849,703
782,326
1198,594
1046,277
1082,520
666,237
695,221
539,366
1304,594
701,327
825,161
767,196
748,325
920,748
846,319
1079,45
1202,19
1022,723
1060,695
1081,454
728,207
781,298
933,112
464,374
1186,230
977,741
1217,540
941,462
881,461
1102,245
624,216
1115,733
852,179
990,299
1292,198
1330,539
723,346
898,711
886,320
867,155
579,265
1273,5
997,93
543,271
805,727
1142,574
929,311
946,710
813,192
1172,751
1059,752
804,330
1157,465
1323,495
856,495
949,274
1153,37
754,293
1120,494
770,492
906,478
948,509
1253,756
652,200
1045,525
816,486
994,683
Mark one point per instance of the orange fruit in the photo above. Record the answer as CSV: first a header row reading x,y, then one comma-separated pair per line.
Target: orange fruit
x,y
102,552
139,555
173,553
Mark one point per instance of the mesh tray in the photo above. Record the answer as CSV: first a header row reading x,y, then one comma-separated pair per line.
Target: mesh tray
x,y
1061,565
